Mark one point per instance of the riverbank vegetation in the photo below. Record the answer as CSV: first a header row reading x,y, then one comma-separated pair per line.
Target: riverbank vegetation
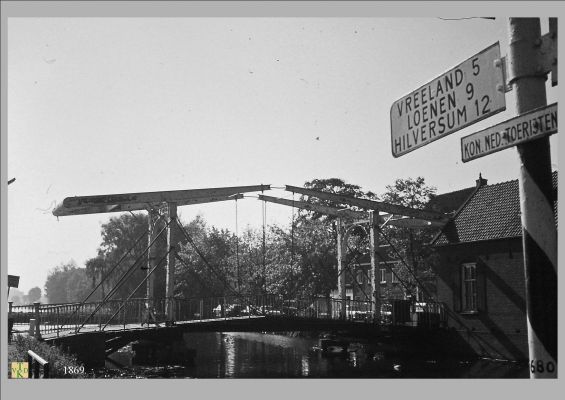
x,y
60,363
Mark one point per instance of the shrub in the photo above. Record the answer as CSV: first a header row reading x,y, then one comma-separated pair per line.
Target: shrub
x,y
55,356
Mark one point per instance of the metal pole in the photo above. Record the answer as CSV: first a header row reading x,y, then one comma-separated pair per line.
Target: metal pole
x,y
374,246
171,244
536,195
341,248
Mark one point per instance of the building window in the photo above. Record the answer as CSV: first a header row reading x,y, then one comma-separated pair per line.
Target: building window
x,y
383,275
360,277
469,288
394,278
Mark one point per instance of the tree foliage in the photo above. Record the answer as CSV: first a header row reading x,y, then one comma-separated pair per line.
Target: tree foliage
x,y
409,246
66,283
34,294
124,241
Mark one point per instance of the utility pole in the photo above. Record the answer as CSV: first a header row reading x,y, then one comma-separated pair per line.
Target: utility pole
x,y
536,198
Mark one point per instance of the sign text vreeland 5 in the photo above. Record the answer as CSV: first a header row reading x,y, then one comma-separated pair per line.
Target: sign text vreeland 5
x,y
468,93
523,128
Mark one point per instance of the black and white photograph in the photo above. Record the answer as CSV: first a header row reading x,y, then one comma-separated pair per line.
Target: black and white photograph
x,y
223,195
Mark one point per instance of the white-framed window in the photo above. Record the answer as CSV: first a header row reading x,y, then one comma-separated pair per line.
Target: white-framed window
x,y
469,287
383,275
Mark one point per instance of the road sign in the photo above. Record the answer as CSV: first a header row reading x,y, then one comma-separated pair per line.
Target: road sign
x,y
467,93
13,281
523,128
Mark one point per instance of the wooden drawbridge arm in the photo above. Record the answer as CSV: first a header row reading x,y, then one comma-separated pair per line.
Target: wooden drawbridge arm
x,y
371,204
315,207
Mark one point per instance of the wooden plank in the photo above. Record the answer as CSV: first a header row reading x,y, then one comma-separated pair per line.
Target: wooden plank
x,y
370,204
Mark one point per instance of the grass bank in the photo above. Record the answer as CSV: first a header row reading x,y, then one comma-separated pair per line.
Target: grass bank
x,y
61,364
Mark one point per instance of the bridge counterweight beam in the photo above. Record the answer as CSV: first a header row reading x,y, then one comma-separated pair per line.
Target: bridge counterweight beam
x,y
172,243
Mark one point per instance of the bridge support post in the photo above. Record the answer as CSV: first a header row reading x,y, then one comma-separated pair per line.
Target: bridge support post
x,y
172,242
37,320
341,251
374,246
152,218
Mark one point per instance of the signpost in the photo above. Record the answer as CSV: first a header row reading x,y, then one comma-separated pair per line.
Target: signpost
x,y
471,91
529,126
13,281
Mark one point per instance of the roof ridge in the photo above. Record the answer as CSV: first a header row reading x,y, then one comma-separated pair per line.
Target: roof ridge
x,y
455,191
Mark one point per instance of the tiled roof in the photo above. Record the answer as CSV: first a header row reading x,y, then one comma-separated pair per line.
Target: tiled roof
x,y
449,203
492,213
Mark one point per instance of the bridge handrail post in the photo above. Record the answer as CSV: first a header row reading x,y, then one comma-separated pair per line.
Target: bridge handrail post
x,y
124,314
37,320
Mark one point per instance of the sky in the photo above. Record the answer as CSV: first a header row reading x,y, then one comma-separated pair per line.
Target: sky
x,y
117,105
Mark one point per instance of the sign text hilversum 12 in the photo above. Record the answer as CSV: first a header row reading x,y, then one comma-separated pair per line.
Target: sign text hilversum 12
x,y
468,93
523,128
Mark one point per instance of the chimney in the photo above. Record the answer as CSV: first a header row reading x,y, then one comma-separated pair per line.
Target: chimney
x,y
481,181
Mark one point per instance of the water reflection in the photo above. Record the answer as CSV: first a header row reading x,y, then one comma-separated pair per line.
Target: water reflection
x,y
229,351
305,365
256,355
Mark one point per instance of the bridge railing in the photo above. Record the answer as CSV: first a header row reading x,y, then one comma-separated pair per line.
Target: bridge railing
x,y
118,314
408,313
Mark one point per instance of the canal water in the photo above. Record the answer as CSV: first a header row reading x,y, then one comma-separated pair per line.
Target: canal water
x,y
257,355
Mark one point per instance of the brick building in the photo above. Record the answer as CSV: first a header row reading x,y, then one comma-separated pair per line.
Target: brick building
x,y
480,273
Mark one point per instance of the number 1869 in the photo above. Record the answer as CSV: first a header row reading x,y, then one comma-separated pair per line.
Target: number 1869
x,y
73,370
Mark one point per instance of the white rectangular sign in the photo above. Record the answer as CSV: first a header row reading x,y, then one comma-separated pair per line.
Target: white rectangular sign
x,y
467,93
523,128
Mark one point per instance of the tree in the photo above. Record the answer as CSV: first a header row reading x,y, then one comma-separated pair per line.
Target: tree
x,y
66,283
125,238
34,294
16,297
334,186
209,263
409,245
409,192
